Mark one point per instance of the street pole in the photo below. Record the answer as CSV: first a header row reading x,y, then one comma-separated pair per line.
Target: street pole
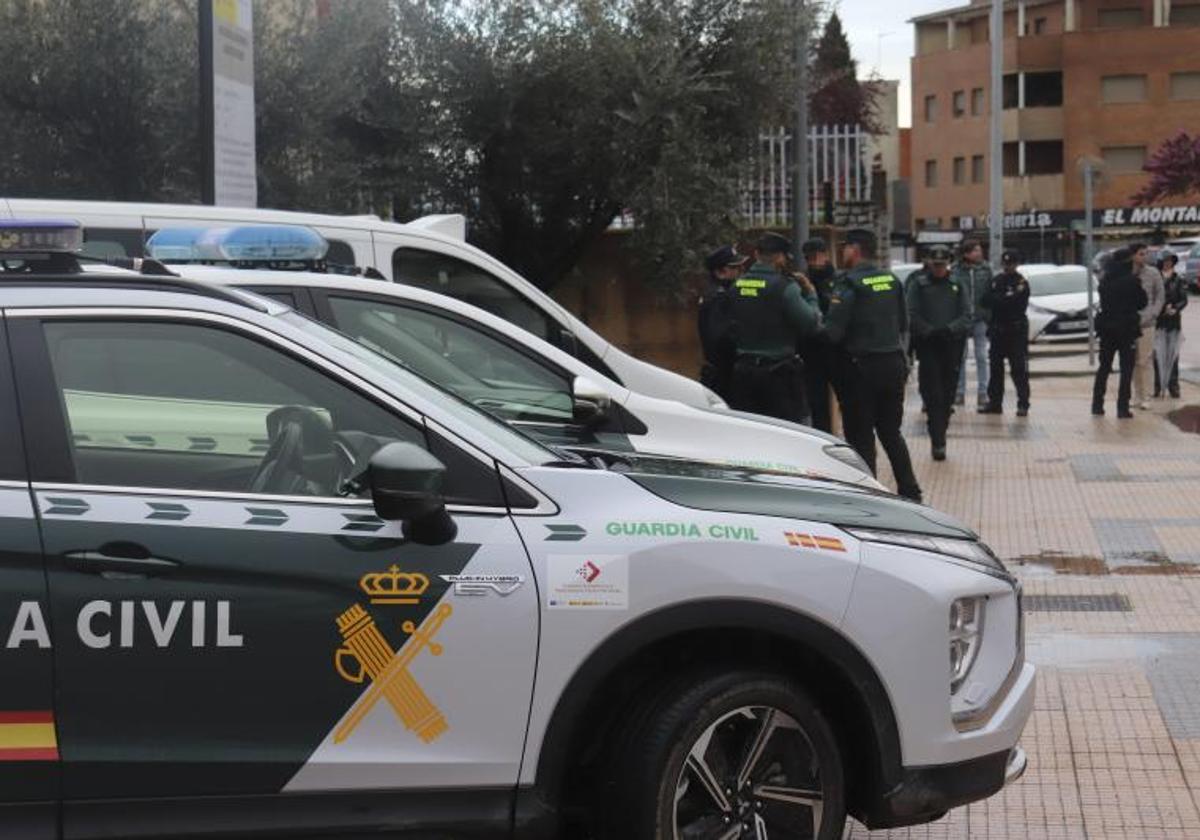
x,y
800,133
996,144
1088,256
208,180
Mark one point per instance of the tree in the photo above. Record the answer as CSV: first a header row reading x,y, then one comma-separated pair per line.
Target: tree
x,y
555,115
838,97
1174,169
98,100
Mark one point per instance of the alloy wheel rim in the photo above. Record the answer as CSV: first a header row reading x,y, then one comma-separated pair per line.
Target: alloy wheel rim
x,y
752,774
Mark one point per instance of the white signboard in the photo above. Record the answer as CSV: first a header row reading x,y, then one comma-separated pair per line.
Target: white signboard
x,y
234,160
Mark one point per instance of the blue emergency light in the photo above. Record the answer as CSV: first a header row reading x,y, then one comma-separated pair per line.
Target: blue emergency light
x,y
239,245
23,237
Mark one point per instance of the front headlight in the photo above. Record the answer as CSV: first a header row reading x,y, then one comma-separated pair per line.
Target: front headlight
x,y
1041,310
972,552
966,634
848,456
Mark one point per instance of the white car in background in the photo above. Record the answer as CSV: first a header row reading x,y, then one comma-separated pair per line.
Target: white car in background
x,y
1058,302
531,384
430,252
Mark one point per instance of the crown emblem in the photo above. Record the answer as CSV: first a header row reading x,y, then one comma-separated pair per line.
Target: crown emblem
x,y
394,586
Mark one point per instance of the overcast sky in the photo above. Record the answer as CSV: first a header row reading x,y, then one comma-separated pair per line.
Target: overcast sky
x,y
882,39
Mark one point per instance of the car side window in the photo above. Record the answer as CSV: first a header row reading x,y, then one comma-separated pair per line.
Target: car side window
x,y
462,280
112,242
459,357
184,406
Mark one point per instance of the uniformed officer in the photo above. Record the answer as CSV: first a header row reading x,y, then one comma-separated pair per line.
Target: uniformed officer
x,y
1007,297
867,316
715,320
819,355
939,314
774,311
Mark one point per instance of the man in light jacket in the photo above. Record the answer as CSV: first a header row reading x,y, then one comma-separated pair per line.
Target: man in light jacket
x,y
1152,281
975,276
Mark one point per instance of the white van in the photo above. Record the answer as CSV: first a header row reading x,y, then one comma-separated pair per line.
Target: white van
x,y
430,252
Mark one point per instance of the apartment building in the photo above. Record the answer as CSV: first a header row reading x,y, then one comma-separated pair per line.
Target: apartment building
x,y
1105,79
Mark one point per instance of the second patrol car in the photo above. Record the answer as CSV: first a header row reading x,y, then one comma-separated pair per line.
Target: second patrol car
x,y
395,614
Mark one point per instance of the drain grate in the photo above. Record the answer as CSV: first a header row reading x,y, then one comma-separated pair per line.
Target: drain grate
x,y
1111,602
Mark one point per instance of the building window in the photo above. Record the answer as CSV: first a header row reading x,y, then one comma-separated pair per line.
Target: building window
x,y
1039,26
960,170
1119,18
1188,15
1185,85
930,108
1011,162
930,223
1012,90
931,173
1043,157
1130,88
976,102
1044,90
1120,159
959,103
976,169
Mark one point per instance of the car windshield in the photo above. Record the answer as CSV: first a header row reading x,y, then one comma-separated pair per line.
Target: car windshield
x,y
1062,282
479,421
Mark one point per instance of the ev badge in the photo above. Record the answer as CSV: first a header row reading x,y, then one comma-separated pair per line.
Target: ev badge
x,y
483,584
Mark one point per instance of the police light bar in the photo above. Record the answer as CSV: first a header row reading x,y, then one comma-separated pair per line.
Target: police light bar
x,y
246,244
22,237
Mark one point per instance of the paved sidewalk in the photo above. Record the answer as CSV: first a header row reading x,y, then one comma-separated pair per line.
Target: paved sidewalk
x,y
1101,520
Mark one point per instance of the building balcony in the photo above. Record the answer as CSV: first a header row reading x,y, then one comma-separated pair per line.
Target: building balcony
x,y
1033,52
1041,192
1033,124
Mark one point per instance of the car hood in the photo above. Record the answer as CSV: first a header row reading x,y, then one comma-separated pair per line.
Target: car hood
x,y
755,492
1065,304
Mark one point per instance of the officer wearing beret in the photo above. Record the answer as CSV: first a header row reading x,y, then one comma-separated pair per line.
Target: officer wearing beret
x,y
774,311
717,326
939,313
1007,298
867,316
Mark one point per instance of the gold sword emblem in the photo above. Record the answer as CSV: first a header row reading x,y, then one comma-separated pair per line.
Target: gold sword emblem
x,y
388,671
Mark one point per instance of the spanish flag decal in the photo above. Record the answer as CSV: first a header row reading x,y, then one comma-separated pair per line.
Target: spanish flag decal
x,y
815,541
27,736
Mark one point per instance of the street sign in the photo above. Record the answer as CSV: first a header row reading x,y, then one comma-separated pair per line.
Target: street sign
x,y
227,102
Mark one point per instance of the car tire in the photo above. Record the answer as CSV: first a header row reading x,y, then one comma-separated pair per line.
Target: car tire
x,y
682,766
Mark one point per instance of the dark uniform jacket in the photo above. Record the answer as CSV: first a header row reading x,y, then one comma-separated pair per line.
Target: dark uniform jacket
x,y
1177,299
937,307
867,314
718,338
1121,300
823,279
772,313
1007,298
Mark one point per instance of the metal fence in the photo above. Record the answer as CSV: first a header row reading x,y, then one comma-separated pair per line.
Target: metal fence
x,y
838,172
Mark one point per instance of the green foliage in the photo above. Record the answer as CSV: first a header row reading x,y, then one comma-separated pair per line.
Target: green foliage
x,y
838,97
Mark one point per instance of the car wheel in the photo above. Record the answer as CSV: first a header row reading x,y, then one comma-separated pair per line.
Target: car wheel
x,y
732,755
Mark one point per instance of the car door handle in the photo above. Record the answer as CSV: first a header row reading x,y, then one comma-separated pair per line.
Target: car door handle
x,y
117,560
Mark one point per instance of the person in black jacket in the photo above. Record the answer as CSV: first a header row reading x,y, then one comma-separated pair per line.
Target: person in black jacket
x,y
718,338
1007,299
1168,332
819,356
1119,325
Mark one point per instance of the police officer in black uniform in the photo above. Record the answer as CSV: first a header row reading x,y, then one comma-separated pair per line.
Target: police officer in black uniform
x,y
867,316
715,320
1007,298
939,314
819,355
774,311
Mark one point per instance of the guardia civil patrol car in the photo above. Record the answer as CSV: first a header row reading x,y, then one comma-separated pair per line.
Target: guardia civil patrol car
x,y
393,614
493,363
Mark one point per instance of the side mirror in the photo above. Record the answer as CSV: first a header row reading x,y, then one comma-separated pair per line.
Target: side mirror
x,y
591,403
406,486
